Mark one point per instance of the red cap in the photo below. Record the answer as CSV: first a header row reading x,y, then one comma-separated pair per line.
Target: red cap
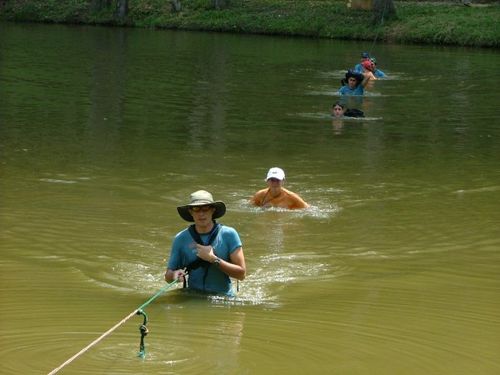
x,y
368,64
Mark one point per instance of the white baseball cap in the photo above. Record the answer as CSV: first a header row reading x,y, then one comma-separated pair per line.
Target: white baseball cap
x,y
276,172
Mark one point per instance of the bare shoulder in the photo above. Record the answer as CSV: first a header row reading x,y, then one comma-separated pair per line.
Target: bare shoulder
x,y
259,194
263,191
290,193
296,200
257,198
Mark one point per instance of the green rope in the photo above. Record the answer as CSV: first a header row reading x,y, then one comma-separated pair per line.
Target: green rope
x,y
162,290
143,328
144,331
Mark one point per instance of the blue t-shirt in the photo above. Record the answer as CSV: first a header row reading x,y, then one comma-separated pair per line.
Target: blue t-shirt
x,y
377,73
358,68
346,90
210,279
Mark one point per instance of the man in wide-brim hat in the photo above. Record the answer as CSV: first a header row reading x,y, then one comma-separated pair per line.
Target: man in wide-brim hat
x,y
209,252
202,198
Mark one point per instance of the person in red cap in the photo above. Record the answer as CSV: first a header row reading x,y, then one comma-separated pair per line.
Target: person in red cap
x,y
365,56
275,195
368,69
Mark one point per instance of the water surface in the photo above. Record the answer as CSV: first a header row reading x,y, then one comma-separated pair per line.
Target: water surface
x,y
395,269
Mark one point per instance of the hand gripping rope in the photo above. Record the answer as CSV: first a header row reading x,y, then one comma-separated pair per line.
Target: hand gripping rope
x,y
143,329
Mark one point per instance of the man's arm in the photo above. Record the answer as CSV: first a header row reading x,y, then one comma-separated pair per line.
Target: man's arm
x,y
236,268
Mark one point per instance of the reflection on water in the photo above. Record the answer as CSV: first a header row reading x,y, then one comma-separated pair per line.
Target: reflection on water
x,y
393,269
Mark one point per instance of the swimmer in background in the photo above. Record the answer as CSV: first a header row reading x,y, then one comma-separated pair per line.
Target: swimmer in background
x,y
365,56
275,195
368,70
353,84
377,72
339,113
339,110
358,68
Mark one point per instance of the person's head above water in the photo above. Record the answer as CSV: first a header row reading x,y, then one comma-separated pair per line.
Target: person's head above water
x,y
276,174
338,109
353,79
275,195
203,200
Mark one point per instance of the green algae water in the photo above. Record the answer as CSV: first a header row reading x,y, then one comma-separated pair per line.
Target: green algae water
x,y
395,268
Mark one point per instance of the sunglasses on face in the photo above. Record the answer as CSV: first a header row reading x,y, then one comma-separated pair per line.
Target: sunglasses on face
x,y
201,208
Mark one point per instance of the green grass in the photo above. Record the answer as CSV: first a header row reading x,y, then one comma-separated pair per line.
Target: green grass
x,y
443,23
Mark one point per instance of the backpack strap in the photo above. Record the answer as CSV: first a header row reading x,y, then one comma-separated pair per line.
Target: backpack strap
x,y
197,238
353,112
212,235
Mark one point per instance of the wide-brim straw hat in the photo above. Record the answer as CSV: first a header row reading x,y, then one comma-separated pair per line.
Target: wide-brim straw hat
x,y
202,198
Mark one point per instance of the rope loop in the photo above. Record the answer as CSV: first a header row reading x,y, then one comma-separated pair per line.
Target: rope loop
x,y
144,331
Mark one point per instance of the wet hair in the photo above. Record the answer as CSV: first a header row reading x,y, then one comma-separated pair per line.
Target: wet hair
x,y
357,76
340,104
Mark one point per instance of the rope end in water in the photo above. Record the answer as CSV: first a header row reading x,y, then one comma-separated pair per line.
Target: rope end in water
x,y
144,331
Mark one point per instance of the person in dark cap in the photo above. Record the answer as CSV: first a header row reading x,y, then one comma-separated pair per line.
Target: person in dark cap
x,y
206,254
353,83
358,67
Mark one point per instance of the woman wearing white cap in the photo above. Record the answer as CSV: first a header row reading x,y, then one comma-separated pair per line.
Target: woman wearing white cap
x,y
275,195
209,252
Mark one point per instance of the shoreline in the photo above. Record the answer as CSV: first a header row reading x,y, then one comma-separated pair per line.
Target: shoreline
x,y
430,23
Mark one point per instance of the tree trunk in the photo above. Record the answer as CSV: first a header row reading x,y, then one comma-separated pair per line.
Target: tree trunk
x,y
219,4
383,10
122,9
176,6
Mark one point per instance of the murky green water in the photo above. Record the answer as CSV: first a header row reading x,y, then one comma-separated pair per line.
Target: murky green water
x,y
103,132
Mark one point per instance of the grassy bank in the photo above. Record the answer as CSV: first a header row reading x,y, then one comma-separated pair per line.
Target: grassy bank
x,y
443,23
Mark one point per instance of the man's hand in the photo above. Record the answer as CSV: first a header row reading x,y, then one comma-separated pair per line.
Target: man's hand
x,y
206,253
178,275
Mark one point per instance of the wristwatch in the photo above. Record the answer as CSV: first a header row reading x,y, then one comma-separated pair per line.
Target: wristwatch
x,y
216,261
